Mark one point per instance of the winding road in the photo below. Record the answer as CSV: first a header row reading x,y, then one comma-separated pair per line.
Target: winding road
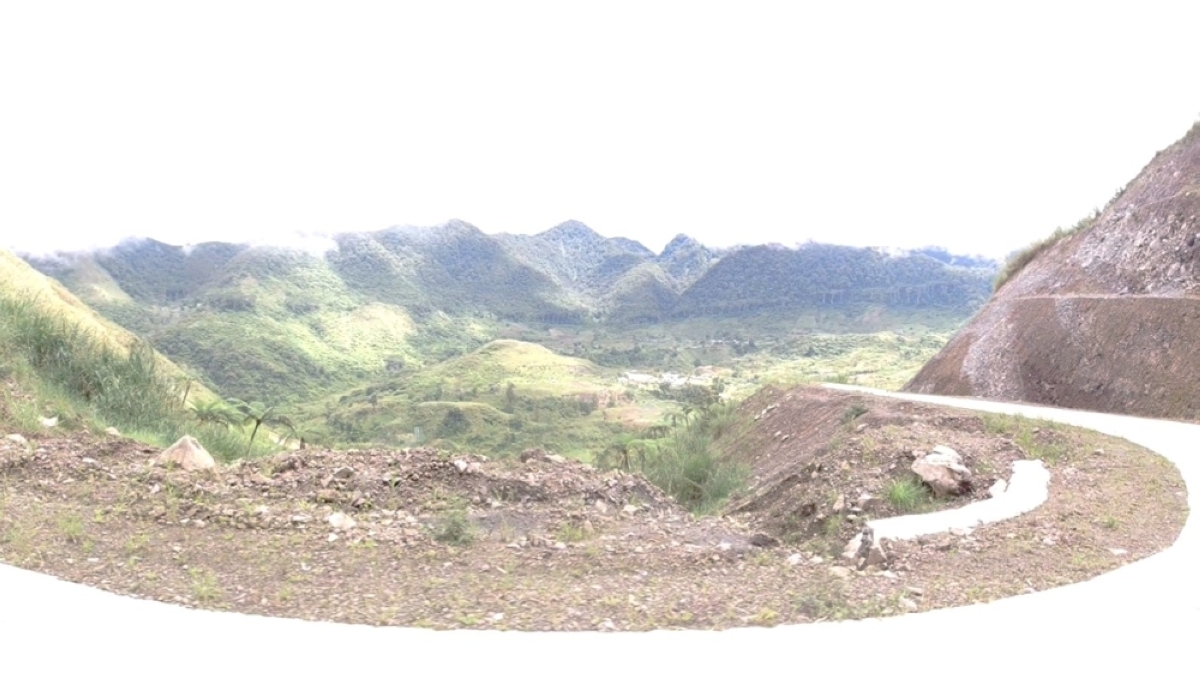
x,y
1142,617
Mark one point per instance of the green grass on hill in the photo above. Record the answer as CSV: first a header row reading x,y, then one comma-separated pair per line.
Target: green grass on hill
x,y
502,397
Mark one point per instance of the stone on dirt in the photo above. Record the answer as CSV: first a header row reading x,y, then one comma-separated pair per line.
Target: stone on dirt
x,y
341,521
944,472
188,454
18,438
112,432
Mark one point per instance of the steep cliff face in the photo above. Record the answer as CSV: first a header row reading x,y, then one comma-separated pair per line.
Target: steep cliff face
x,y
1107,318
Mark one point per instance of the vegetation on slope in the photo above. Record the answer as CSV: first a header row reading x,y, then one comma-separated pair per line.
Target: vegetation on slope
x,y
503,397
1021,259
760,278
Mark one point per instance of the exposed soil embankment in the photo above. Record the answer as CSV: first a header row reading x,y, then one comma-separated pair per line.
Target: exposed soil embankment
x,y
1107,318
1130,355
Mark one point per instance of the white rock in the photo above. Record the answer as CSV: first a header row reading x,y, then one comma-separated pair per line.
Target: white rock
x,y
18,438
48,423
795,559
1118,551
188,454
943,470
839,571
112,431
341,521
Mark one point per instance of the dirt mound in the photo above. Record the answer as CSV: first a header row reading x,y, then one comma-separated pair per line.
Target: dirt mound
x,y
825,462
1106,318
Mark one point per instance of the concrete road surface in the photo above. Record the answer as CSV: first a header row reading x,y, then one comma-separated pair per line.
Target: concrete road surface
x,y
1141,617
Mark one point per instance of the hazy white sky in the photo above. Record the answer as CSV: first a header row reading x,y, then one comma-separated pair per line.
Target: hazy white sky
x,y
977,126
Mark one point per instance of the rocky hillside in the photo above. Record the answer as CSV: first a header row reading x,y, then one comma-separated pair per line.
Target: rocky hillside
x,y
1106,317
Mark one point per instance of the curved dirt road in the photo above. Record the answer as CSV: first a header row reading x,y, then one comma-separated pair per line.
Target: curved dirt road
x,y
1142,616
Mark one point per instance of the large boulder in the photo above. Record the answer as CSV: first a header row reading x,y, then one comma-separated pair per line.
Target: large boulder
x,y
188,454
944,472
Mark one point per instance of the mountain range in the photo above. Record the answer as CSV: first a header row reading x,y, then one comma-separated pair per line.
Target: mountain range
x,y
281,323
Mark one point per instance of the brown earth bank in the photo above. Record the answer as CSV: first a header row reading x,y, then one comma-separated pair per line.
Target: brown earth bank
x,y
420,537
1104,319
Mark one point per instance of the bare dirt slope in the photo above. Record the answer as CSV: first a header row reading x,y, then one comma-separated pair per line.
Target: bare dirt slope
x,y
1107,318
420,537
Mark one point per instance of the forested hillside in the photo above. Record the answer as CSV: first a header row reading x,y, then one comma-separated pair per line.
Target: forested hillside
x,y
269,322
769,277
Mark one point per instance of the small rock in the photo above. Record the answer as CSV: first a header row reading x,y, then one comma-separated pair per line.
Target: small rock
x,y
908,604
817,559
17,438
48,422
600,506
326,495
607,624
840,504
866,501
461,465
761,540
840,572
560,546
301,519
344,473
795,559
113,432
630,508
341,521
724,546
961,531
1098,452
1118,551
555,458
915,591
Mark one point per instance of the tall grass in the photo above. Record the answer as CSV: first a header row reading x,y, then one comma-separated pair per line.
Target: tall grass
x,y
688,466
75,374
117,387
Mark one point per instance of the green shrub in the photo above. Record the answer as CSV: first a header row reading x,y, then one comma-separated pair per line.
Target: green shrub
x,y
908,494
455,528
689,468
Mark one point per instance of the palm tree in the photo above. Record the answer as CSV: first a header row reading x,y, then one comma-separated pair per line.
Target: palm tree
x,y
215,412
258,413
